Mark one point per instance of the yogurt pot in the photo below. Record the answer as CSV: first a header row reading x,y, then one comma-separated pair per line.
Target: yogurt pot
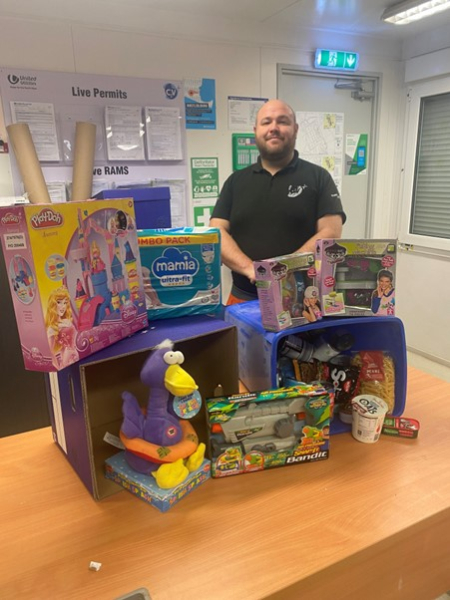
x,y
368,417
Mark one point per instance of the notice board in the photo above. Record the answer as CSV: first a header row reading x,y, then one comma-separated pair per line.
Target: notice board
x,y
141,133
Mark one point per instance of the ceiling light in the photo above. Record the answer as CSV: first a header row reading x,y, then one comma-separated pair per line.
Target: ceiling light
x,y
413,10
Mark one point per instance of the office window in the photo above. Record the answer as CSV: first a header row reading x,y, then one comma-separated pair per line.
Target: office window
x,y
430,207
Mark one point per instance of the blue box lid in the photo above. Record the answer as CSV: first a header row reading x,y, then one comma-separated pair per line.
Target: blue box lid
x,y
144,193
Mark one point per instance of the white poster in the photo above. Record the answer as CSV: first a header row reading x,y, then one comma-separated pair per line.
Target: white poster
x,y
163,127
124,133
320,141
242,112
40,118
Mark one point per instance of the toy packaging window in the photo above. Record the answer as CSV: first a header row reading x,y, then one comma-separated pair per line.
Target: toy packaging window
x,y
75,278
286,291
356,277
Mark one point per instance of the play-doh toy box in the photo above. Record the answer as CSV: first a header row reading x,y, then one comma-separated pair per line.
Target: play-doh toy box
x,y
286,291
356,277
181,271
75,278
260,430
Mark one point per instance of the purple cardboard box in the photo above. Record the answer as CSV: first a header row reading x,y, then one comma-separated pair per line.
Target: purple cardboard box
x,y
85,399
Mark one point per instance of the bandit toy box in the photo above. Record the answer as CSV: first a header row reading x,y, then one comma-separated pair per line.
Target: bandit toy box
x,y
287,296
181,271
356,277
75,278
255,431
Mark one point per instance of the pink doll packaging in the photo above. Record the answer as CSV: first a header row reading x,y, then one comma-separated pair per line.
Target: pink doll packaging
x,y
287,294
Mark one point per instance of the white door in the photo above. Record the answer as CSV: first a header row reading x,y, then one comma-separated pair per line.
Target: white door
x,y
354,97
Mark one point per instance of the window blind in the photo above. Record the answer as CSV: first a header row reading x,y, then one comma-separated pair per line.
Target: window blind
x,y
430,209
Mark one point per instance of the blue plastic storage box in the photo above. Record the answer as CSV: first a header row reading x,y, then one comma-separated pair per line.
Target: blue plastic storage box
x,y
258,349
151,205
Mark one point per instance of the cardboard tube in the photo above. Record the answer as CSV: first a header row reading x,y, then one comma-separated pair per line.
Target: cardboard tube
x,y
83,164
28,163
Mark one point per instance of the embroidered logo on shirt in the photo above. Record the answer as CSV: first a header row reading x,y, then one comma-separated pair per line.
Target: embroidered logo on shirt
x,y
295,190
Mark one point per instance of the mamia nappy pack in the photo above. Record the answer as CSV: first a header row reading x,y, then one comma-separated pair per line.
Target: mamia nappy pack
x,y
181,271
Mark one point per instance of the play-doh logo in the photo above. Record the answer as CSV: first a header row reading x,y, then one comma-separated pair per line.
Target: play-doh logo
x,y
46,218
10,219
175,268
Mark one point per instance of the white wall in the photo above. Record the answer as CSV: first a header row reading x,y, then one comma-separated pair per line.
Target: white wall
x,y
423,283
243,62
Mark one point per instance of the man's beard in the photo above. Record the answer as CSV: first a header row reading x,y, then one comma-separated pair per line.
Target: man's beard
x,y
275,154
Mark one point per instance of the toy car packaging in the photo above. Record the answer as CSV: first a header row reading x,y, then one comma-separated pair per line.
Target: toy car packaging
x,y
260,430
75,278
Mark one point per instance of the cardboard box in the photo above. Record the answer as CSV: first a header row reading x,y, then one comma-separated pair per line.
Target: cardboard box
x,y
181,271
85,399
145,487
273,428
151,205
260,350
75,278
356,277
286,291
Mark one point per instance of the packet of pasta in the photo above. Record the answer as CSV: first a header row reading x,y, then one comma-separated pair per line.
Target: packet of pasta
x,y
377,375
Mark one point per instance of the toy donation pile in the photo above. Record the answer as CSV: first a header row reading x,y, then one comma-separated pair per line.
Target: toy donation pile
x,y
321,350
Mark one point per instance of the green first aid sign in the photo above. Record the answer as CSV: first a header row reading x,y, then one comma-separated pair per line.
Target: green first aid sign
x,y
336,59
202,215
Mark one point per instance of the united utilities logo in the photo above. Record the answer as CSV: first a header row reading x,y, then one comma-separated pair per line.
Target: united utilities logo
x,y
175,268
26,82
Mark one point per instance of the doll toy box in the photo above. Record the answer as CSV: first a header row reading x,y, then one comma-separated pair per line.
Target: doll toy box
x,y
356,277
75,278
256,431
181,271
286,291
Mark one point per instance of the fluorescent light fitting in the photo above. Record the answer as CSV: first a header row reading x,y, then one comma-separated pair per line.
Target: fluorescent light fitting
x,y
413,10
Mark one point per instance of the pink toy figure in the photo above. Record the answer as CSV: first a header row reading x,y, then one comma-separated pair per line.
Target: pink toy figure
x,y
97,263
61,331
311,305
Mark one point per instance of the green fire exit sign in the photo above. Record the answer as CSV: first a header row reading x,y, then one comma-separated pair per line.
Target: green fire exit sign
x,y
336,59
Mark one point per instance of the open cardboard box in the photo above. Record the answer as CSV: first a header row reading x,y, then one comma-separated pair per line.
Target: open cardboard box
x,y
85,399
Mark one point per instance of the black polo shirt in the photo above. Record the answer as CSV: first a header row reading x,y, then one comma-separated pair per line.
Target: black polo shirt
x,y
271,215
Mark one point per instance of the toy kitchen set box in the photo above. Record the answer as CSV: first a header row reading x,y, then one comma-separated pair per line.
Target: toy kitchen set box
x,y
75,278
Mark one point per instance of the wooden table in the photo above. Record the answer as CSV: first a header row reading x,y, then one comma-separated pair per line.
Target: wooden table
x,y
371,522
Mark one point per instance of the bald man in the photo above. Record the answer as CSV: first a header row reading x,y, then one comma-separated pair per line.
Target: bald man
x,y
280,205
